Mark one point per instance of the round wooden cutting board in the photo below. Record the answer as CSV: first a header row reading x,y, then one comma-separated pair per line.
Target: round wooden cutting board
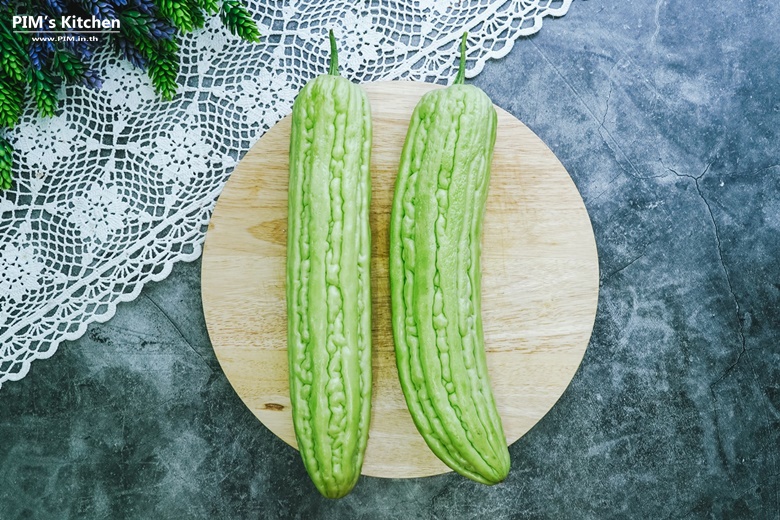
x,y
539,292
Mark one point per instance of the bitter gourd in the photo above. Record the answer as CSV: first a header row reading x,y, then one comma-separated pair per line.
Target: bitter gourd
x,y
328,285
435,278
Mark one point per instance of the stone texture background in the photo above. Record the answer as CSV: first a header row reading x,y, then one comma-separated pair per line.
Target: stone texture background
x,y
667,116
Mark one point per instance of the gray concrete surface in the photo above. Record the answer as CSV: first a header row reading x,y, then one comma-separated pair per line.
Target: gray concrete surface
x,y
666,115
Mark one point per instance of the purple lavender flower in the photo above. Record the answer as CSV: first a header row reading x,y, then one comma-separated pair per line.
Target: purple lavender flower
x,y
81,47
160,29
40,51
99,8
143,6
131,53
92,79
57,7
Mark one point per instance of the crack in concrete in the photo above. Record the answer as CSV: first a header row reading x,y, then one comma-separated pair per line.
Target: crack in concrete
x,y
623,268
740,323
719,245
617,149
181,334
657,20
718,436
766,168
606,108
602,192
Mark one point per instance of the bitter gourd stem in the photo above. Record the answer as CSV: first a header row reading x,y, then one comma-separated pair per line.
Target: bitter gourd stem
x,y
334,55
461,77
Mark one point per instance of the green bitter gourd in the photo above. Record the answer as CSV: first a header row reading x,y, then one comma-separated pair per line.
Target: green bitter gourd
x,y
328,285
435,278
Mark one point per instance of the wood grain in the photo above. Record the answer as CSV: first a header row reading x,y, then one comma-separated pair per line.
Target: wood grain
x,y
540,282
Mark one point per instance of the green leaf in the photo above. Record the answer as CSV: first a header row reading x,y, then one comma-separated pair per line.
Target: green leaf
x,y
177,12
148,49
44,91
169,46
133,24
209,6
69,67
238,20
11,99
196,14
14,62
6,164
163,70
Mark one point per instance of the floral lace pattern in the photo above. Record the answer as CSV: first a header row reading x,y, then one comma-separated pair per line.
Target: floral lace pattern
x,y
119,185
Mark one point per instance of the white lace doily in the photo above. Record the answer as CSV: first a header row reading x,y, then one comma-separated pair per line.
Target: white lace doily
x,y
119,185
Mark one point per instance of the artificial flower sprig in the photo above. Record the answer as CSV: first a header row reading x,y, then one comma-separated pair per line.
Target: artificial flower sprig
x,y
148,37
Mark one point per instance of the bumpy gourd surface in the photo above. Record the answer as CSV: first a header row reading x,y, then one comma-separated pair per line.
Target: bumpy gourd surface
x,y
436,227
328,285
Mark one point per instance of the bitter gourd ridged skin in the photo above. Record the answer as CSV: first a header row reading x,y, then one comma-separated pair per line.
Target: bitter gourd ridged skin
x,y
328,284
435,276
